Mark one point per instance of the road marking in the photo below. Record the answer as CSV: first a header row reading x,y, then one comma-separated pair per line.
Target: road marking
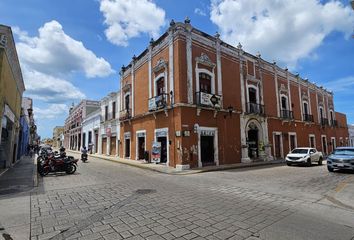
x,y
343,184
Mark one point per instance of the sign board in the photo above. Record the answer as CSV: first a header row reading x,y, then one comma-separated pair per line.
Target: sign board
x,y
127,135
207,133
210,100
152,104
9,113
156,152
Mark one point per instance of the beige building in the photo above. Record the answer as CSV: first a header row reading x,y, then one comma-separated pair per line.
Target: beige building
x,y
58,136
11,90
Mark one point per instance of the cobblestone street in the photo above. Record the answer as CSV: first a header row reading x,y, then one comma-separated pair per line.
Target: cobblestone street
x,y
106,200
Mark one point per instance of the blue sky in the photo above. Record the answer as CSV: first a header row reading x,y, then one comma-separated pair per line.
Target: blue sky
x,y
74,49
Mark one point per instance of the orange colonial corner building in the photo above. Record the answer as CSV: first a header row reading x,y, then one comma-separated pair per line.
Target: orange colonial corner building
x,y
209,103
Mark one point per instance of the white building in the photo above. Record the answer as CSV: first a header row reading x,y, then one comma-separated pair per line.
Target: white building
x,y
351,135
110,129
90,130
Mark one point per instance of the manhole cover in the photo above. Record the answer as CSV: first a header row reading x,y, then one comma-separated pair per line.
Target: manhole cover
x,y
145,191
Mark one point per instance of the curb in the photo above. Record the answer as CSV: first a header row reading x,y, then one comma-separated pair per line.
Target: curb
x,y
187,172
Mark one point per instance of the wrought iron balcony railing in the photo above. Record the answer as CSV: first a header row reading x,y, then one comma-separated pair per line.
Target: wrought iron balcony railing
x,y
254,108
208,100
308,117
324,121
158,102
286,114
334,123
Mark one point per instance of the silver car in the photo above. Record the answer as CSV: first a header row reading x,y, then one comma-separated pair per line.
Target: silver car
x,y
341,158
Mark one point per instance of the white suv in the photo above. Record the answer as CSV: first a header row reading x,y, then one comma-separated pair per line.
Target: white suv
x,y
304,156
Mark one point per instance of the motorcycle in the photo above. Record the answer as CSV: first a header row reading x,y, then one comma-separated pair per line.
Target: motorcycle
x,y
57,163
84,157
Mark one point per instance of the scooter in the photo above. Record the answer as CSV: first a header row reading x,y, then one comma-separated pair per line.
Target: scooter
x,y
84,157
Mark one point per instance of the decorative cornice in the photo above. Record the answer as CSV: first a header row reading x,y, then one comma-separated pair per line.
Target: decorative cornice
x,y
204,59
161,64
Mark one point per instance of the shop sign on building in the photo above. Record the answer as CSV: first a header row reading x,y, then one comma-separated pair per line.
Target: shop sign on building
x,y
156,152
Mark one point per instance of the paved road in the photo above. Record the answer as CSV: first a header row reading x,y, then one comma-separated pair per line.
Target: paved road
x,y
106,200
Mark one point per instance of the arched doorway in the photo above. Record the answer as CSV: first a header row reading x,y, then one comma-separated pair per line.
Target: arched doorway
x,y
254,139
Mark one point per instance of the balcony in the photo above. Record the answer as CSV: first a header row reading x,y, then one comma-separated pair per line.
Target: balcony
x,y
286,114
308,117
334,123
254,108
125,114
158,102
204,99
324,121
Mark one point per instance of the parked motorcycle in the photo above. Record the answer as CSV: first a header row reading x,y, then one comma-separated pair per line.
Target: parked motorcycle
x,y
54,162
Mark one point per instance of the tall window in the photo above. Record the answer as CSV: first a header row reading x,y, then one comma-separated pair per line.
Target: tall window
x,y
89,137
252,95
106,113
126,101
284,103
331,115
306,110
114,110
205,82
160,86
321,112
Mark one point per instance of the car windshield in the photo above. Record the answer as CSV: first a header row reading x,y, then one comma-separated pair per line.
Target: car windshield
x,y
344,152
301,151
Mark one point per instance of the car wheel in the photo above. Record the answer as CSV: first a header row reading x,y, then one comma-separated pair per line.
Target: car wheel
x,y
330,169
320,161
288,163
308,163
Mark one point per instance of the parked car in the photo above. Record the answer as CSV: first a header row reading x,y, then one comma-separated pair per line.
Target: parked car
x,y
304,156
341,158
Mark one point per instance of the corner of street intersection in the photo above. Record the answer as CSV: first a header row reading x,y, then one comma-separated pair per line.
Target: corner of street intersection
x,y
108,200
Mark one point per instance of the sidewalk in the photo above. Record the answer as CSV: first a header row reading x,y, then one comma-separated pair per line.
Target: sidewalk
x,y
169,170
15,186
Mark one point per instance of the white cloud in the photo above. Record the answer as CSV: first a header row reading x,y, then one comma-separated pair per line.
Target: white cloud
x,y
49,88
200,12
127,19
285,31
54,52
344,85
51,112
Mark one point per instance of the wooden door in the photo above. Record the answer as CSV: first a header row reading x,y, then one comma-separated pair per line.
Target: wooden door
x,y
113,145
104,145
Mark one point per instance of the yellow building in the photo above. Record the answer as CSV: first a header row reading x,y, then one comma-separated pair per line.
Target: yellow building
x,y
11,90
58,136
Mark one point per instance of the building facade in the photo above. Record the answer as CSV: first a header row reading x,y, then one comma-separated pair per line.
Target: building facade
x,y
351,135
90,131
73,123
110,128
209,103
58,133
11,90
